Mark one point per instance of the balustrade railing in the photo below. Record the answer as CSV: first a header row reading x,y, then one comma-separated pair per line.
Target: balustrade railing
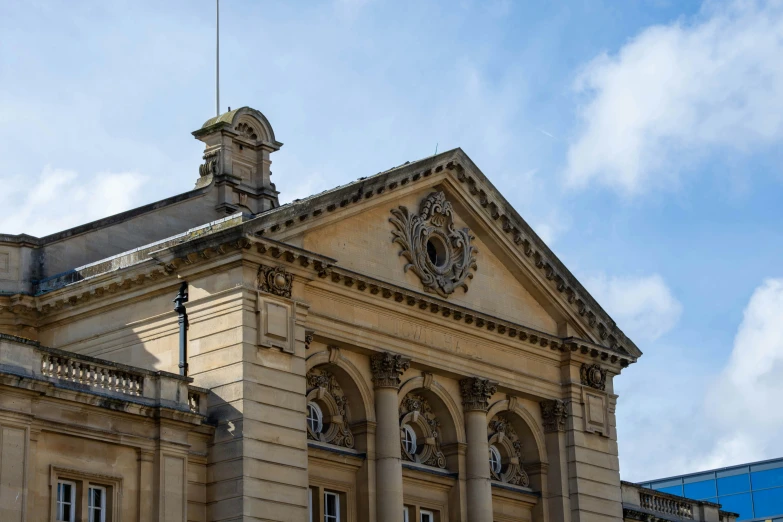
x,y
93,375
666,505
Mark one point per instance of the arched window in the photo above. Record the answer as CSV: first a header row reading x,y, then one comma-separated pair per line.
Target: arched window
x,y
495,462
328,415
506,463
408,439
420,432
315,418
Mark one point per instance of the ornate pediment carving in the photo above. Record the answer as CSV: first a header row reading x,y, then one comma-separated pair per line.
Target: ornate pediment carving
x,y
441,255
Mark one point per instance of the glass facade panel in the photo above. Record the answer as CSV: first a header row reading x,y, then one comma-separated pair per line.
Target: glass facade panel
x,y
738,504
735,484
674,490
701,490
767,479
768,502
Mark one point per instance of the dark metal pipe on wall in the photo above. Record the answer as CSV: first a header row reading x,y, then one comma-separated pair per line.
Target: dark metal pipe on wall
x,y
179,307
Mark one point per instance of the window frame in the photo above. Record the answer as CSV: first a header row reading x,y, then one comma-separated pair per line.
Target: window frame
x,y
71,501
319,417
82,481
102,508
328,517
408,430
493,451
430,514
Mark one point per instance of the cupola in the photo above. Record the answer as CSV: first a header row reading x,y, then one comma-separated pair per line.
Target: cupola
x,y
236,158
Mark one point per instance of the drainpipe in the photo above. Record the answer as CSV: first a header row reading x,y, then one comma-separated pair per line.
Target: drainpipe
x,y
179,307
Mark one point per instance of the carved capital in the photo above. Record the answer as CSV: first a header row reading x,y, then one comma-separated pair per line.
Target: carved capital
x,y
476,393
593,375
275,280
554,413
386,369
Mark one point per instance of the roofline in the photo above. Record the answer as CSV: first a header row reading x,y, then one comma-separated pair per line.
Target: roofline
x,y
33,241
715,470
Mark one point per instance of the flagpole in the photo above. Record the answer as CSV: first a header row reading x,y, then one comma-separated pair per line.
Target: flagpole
x,y
217,58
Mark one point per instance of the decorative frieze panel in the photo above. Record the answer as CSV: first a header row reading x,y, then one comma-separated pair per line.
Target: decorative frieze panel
x,y
504,444
595,412
420,436
554,413
327,410
439,253
476,393
386,369
275,324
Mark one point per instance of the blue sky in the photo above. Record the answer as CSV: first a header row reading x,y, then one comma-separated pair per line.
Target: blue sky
x,y
641,139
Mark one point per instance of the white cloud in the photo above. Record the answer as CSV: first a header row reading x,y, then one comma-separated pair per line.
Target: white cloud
x,y
742,401
676,415
679,91
58,199
643,307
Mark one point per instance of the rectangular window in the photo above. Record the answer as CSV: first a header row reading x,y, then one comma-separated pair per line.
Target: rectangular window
x,y
66,501
331,507
427,516
96,504
673,490
405,514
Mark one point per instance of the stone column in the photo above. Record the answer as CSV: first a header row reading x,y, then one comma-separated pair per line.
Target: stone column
x,y
475,401
554,414
386,370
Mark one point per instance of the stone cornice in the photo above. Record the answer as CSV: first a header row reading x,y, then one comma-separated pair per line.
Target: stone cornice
x,y
168,261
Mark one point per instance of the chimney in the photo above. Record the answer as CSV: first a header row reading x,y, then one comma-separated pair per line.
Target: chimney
x,y
236,159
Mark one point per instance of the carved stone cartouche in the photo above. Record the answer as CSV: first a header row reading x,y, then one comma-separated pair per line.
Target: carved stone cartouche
x,y
440,254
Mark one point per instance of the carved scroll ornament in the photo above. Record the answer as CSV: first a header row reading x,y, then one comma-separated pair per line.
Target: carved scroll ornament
x,y
416,411
324,390
503,437
440,254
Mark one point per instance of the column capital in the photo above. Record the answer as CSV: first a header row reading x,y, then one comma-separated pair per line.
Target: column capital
x,y
476,392
386,369
554,414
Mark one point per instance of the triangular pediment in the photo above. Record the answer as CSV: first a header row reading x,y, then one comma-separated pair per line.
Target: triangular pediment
x,y
369,227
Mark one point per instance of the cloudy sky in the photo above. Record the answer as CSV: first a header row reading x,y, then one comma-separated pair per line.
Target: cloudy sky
x,y
641,139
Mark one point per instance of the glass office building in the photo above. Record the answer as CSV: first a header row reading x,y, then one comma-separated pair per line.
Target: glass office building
x,y
755,490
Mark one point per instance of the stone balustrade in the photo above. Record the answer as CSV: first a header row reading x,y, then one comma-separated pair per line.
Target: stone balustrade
x,y
654,506
666,504
25,359
108,378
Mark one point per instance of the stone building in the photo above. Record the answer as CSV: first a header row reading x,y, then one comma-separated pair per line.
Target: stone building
x,y
404,347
